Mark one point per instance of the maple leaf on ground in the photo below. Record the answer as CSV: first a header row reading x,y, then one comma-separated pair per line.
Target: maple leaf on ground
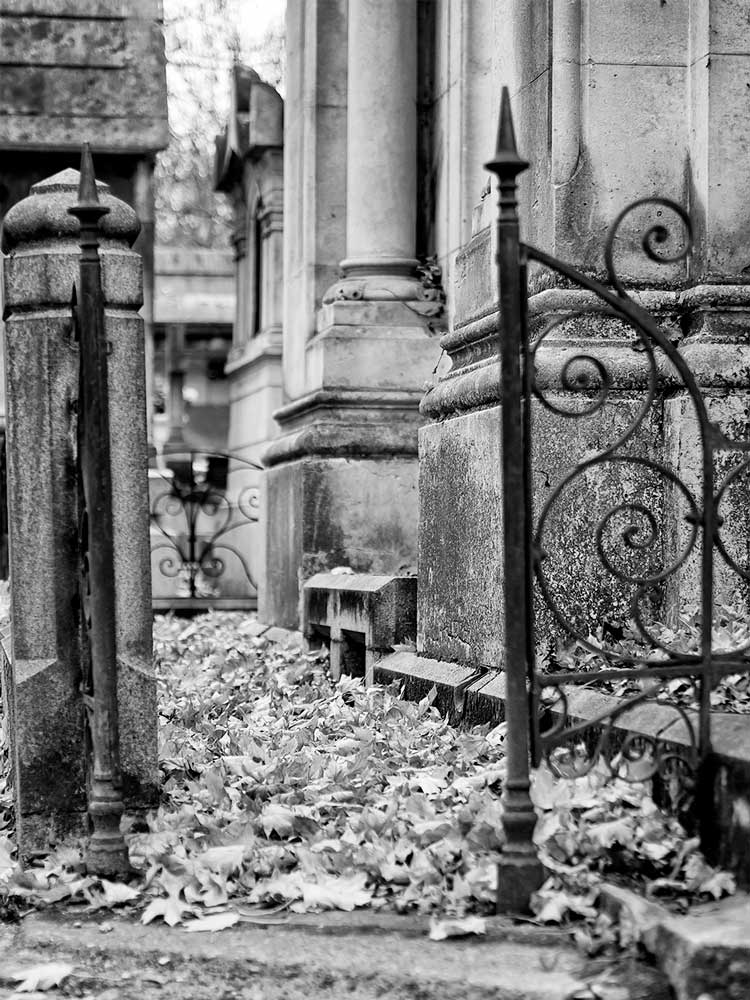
x,y
458,927
334,893
212,923
169,908
552,902
114,894
277,818
44,976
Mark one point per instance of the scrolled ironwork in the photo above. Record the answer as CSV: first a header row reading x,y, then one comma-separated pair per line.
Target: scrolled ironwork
x,y
636,556
197,507
652,236
574,750
634,539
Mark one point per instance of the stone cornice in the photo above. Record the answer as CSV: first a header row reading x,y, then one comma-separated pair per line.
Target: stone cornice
x,y
347,399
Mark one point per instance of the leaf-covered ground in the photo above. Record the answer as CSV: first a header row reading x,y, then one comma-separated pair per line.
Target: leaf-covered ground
x,y
730,633
286,791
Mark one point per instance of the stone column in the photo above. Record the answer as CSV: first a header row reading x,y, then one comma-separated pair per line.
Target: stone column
x,y
341,488
42,672
381,169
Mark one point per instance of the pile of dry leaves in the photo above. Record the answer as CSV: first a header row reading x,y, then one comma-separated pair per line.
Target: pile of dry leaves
x,y
286,791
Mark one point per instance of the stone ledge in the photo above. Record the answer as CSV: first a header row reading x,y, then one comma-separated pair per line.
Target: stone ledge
x,y
325,956
705,954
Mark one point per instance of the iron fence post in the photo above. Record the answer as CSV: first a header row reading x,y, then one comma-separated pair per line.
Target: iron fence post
x,y
519,871
107,852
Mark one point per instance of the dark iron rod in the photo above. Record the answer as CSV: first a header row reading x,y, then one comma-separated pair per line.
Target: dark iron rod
x,y
107,852
519,871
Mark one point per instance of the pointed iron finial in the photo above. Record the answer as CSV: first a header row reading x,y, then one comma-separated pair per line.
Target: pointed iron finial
x,y
87,187
89,209
506,160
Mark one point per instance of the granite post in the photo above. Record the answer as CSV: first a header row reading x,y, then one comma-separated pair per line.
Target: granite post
x,y
42,670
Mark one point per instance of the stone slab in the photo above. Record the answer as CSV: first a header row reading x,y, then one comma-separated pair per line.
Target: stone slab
x,y
705,954
382,608
54,41
122,134
104,9
327,956
66,91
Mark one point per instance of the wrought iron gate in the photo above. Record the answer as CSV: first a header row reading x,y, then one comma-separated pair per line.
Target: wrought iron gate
x,y
107,853
202,505
628,538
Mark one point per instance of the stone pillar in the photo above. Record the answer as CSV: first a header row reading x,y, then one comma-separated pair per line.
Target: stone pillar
x,y
381,168
341,487
42,673
715,307
628,101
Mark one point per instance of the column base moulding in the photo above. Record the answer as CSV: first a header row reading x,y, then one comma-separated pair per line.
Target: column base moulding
x,y
327,423
705,319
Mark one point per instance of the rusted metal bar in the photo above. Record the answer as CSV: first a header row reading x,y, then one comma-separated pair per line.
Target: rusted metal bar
x,y
107,852
519,871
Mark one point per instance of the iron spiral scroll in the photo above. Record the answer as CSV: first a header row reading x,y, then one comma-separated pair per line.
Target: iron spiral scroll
x,y
629,539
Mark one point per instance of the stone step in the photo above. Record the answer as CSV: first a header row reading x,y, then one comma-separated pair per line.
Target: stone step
x,y
705,953
328,956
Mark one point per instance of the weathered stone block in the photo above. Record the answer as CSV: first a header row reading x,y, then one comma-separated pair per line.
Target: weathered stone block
x,y
90,71
611,37
380,611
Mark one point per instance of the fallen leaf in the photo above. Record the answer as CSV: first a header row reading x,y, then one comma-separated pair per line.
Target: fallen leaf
x,y
44,976
457,927
278,819
332,893
216,922
169,908
115,893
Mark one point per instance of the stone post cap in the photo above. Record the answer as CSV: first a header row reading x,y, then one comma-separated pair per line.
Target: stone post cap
x,y
43,215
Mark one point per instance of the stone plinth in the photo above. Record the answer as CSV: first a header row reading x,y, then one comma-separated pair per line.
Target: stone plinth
x,y
362,616
620,122
47,738
326,509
